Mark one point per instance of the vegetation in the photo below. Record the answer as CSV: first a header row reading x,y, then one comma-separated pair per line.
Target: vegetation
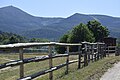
x,y
92,72
38,40
92,31
30,68
99,31
63,39
10,38
79,34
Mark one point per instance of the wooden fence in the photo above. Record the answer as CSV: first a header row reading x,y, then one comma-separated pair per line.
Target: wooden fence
x,y
89,51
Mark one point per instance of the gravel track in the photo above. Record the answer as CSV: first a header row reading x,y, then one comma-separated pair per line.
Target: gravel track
x,y
112,73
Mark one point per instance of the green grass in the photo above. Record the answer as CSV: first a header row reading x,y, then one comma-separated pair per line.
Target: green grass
x,y
91,72
13,73
30,68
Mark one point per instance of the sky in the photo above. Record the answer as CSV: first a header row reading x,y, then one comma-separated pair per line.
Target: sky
x,y
65,8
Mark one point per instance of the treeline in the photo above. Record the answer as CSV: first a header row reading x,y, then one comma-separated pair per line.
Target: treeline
x,y
10,38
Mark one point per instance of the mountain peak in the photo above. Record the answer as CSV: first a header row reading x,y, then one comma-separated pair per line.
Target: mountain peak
x,y
9,7
78,14
12,11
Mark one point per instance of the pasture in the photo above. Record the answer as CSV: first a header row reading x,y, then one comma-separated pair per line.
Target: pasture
x,y
50,66
12,73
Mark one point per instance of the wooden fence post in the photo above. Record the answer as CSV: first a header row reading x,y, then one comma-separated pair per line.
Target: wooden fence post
x,y
21,65
50,63
108,51
79,57
116,51
67,61
88,52
100,50
98,53
105,50
92,51
85,54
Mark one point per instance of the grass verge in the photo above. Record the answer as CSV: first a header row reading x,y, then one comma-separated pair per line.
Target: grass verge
x,y
94,71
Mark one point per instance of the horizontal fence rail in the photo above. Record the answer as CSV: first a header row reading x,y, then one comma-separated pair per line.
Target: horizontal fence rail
x,y
28,60
47,71
86,51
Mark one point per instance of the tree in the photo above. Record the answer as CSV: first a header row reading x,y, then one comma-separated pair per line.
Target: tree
x,y
9,38
1,38
63,39
93,31
38,40
98,30
13,39
78,34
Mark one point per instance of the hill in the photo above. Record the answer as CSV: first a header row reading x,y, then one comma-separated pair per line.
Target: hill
x,y
15,20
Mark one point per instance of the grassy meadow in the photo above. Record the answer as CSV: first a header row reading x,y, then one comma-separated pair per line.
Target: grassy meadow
x,y
91,72
12,73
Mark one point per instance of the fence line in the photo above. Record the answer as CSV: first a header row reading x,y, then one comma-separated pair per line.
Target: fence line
x,y
89,51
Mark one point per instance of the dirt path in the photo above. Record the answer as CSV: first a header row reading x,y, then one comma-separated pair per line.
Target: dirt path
x,y
112,73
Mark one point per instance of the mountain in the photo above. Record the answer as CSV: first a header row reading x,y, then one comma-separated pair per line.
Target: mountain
x,y
15,20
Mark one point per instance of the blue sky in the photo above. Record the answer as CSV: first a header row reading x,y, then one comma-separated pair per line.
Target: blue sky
x,y
65,8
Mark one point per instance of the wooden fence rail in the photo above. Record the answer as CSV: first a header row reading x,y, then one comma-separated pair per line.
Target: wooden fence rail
x,y
89,52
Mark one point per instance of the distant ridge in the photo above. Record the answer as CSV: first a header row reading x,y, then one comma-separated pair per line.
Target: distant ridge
x,y
15,20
